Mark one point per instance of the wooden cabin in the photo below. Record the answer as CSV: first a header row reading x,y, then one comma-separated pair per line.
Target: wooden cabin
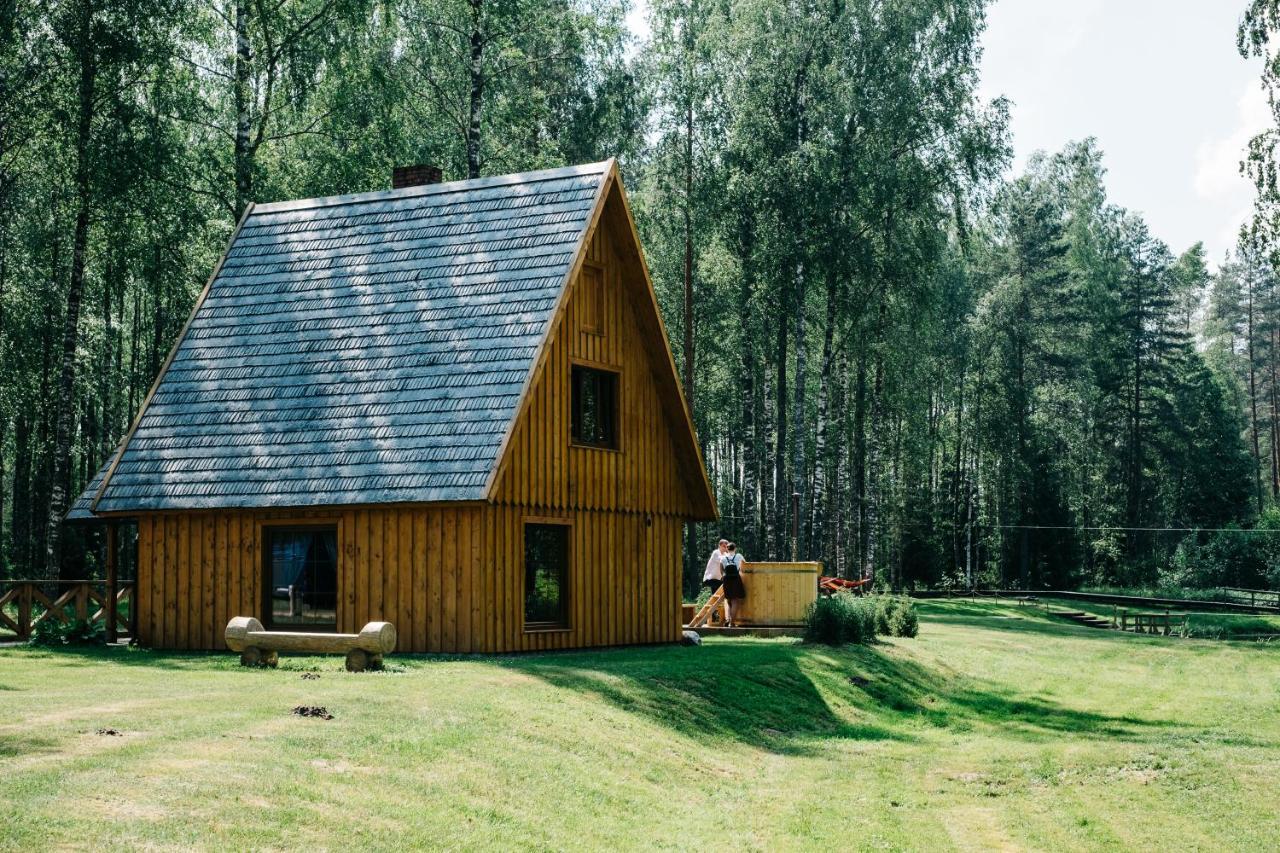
x,y
448,406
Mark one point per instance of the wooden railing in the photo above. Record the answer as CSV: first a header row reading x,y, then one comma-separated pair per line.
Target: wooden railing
x,y
1256,597
24,604
1150,623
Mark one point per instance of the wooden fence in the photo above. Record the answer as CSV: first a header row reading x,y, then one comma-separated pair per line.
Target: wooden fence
x,y
1255,597
24,604
1151,623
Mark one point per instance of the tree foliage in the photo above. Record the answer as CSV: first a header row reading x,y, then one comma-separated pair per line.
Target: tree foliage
x,y
902,361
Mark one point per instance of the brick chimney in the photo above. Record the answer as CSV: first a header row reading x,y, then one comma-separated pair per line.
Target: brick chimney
x,y
414,176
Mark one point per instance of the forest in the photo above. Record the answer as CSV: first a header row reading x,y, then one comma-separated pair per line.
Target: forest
x,y
903,359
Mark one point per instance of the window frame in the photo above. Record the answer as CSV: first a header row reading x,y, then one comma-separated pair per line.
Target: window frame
x,y
566,594
265,575
579,364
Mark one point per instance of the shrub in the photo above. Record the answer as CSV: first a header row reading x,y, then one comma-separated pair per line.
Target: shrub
x,y
77,632
884,605
841,618
847,618
903,621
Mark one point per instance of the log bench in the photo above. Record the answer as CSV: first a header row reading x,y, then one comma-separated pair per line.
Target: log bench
x,y
259,647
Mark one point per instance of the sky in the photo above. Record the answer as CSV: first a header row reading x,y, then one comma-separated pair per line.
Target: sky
x,y
1158,83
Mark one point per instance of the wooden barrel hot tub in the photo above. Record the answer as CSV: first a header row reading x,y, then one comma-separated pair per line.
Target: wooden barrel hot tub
x,y
778,593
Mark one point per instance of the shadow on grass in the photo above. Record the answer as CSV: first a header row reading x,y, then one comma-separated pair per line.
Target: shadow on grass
x,y
739,691
950,700
86,656
792,698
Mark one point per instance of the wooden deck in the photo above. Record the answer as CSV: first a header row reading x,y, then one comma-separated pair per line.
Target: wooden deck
x,y
751,631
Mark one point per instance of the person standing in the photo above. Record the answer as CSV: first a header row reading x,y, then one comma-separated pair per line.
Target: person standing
x,y
734,591
713,576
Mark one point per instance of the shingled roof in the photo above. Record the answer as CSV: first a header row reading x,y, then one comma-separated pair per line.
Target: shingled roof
x,y
82,508
360,349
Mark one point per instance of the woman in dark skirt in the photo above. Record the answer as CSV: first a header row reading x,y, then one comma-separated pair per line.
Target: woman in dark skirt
x,y
734,591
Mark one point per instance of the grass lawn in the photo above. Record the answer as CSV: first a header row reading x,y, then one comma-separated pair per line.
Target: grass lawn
x,y
998,727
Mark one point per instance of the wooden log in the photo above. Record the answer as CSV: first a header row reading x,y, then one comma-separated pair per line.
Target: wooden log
x,y
377,638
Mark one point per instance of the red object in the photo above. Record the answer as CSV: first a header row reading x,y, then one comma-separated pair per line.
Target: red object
x,y
837,584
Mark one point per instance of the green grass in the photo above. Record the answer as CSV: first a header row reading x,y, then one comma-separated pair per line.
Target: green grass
x,y
998,727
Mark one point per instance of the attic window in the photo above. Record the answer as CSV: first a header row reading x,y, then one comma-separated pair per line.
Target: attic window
x,y
592,298
595,407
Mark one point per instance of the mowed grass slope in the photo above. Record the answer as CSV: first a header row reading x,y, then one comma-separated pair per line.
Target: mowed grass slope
x,y
997,727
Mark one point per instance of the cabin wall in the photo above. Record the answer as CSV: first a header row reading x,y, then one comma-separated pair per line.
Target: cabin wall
x,y
624,582
450,578
415,567
541,468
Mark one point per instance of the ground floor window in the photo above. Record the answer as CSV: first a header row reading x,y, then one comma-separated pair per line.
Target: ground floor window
x,y
546,575
302,577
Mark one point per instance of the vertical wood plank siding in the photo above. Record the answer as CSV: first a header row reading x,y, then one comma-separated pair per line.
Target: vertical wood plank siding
x,y
623,586
451,577
542,469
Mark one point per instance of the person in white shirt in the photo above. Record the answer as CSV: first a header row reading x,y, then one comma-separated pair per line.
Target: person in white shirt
x,y
713,576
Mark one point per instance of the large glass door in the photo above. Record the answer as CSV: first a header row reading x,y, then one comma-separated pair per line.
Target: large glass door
x,y
301,568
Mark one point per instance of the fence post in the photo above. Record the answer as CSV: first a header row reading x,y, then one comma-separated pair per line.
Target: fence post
x,y
109,609
24,611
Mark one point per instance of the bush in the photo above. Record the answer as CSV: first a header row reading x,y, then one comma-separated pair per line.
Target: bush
x,y
847,618
884,604
839,619
902,619
52,633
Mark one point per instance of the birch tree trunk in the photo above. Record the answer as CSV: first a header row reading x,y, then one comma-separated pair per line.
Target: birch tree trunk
x,y
819,502
750,422
768,466
242,71
1275,420
475,71
781,491
689,352
859,484
873,478
797,467
1253,395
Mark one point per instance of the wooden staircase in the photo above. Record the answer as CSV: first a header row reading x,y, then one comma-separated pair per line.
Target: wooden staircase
x,y
704,613
1082,618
